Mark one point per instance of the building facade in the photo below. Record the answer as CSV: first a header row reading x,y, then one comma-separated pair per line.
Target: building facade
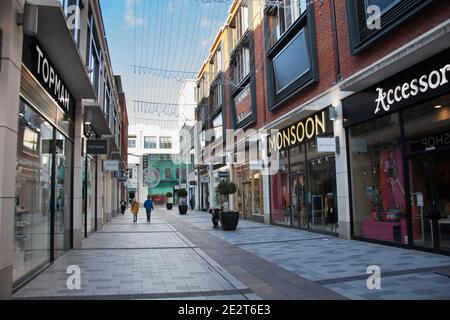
x,y
350,106
60,121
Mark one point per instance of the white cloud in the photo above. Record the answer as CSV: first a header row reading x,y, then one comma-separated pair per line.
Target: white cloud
x,y
131,20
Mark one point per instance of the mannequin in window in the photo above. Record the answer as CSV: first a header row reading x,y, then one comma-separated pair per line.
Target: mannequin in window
x,y
332,213
390,167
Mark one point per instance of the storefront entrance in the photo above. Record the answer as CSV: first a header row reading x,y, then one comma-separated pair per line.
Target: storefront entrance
x,y
430,200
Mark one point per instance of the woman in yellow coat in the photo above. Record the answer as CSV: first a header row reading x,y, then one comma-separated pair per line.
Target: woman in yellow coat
x,y
134,209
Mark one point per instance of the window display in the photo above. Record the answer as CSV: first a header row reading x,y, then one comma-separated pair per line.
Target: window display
x,y
281,199
379,203
33,192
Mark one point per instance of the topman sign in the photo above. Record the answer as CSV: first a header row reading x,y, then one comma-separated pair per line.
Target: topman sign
x,y
37,61
52,81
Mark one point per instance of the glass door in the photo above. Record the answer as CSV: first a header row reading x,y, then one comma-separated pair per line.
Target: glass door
x,y
297,201
430,201
441,177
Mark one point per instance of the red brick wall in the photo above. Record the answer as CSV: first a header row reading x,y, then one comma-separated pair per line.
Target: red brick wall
x,y
431,16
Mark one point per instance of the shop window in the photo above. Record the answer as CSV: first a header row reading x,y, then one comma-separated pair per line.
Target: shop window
x,y
377,179
165,142
322,212
363,32
33,193
150,143
281,199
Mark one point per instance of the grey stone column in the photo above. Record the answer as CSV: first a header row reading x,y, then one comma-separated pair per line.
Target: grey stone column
x,y
78,231
10,71
343,197
100,211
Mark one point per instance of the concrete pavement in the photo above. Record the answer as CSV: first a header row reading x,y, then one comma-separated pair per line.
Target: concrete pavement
x,y
182,257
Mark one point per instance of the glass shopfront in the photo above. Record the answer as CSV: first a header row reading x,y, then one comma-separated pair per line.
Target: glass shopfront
x,y
399,161
249,193
303,191
43,193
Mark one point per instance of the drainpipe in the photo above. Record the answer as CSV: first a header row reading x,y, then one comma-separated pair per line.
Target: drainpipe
x,y
336,44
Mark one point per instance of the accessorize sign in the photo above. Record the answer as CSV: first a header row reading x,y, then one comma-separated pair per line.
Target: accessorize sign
x,y
424,81
37,61
299,132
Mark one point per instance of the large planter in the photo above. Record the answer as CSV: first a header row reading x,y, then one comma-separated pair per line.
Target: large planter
x,y
183,208
169,206
229,220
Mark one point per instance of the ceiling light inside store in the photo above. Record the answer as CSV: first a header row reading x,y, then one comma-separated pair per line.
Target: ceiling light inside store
x,y
438,107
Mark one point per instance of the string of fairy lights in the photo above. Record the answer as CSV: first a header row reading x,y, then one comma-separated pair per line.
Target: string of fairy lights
x,y
143,73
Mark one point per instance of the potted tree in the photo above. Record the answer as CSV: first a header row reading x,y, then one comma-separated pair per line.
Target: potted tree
x,y
228,219
183,207
169,203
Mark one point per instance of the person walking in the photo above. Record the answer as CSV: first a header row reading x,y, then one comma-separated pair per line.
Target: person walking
x,y
134,210
148,205
123,206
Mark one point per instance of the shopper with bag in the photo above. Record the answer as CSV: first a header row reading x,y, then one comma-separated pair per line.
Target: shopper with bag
x,y
134,210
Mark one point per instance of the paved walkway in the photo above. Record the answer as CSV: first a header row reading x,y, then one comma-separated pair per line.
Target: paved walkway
x,y
182,257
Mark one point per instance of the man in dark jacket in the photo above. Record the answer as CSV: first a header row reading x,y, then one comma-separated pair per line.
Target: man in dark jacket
x,y
148,205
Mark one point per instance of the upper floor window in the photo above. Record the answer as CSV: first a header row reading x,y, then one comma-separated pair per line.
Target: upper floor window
x,y
239,24
165,142
241,63
218,126
217,62
292,29
130,173
150,143
218,96
93,54
132,143
365,29
285,13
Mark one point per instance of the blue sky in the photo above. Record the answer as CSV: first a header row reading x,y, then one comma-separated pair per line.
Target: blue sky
x,y
162,34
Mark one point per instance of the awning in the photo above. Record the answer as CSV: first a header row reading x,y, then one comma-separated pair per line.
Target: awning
x,y
59,45
93,113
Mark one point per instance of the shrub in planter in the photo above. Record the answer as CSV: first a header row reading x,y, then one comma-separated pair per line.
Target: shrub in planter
x,y
169,203
228,219
182,207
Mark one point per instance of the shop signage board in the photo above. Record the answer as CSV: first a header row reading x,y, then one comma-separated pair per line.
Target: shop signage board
x,y
299,132
326,144
256,165
224,174
110,165
97,146
204,179
37,61
424,81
